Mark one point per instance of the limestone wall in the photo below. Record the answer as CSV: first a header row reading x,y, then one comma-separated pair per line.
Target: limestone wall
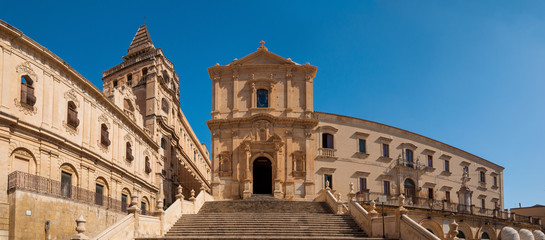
x,y
60,212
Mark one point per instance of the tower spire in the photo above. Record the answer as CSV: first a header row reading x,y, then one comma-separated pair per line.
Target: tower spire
x,y
140,43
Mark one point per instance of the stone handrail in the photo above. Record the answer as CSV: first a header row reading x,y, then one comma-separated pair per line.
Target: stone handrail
x,y
333,203
412,230
123,229
360,216
171,215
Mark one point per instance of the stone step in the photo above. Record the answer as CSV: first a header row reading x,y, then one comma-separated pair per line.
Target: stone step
x,y
258,237
264,207
269,234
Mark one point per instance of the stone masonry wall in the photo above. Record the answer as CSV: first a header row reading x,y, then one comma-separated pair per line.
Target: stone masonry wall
x,y
60,212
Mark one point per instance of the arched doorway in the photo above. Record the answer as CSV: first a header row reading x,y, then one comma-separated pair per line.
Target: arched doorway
x,y
410,189
262,173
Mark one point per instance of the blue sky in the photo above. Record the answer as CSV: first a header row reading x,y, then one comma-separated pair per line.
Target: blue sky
x,y
467,73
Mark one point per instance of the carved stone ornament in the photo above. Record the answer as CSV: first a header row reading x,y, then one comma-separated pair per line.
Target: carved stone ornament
x,y
128,138
71,95
102,148
261,130
298,159
70,129
26,109
26,69
103,119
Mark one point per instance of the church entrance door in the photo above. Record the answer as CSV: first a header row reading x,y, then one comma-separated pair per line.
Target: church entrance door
x,y
262,172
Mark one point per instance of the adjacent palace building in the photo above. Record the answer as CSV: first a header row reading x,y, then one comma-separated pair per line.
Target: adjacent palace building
x,y
70,149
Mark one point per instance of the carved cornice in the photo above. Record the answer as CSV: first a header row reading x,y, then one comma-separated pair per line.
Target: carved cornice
x,y
26,69
310,122
71,95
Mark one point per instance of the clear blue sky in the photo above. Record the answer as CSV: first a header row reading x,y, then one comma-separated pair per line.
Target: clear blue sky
x,y
467,73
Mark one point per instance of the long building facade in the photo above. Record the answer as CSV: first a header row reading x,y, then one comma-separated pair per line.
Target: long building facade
x,y
70,149
267,139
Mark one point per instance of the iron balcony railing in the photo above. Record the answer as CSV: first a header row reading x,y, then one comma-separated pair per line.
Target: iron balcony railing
x,y
411,164
24,181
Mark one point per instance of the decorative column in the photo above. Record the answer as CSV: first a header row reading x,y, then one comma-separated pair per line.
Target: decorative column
x,y
253,101
288,161
309,181
277,180
247,191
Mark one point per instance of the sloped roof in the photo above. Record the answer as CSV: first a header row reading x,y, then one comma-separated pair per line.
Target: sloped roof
x,y
262,56
140,43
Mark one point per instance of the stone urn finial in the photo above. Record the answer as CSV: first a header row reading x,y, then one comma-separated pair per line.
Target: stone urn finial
x,y
339,197
401,203
372,210
192,198
180,195
80,228
351,194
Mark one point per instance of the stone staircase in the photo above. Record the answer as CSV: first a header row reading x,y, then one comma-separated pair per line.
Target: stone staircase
x,y
263,217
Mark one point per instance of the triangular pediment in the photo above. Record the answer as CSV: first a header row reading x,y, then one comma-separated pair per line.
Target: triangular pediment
x,y
262,57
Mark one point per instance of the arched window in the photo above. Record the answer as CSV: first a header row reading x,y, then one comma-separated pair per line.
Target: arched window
x,y
327,140
128,152
101,191
104,135
485,235
72,116
164,105
147,165
27,91
125,199
129,79
68,180
262,98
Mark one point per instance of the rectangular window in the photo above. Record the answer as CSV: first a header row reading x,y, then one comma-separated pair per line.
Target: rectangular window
x,y
430,193
483,178
99,194
362,146
447,196
482,203
447,167
327,140
387,187
430,161
495,181
328,178
123,202
385,150
66,184
363,184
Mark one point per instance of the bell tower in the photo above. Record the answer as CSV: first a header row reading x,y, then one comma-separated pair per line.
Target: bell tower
x,y
262,120
154,83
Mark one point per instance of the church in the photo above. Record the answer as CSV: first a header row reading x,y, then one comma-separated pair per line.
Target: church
x,y
124,163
